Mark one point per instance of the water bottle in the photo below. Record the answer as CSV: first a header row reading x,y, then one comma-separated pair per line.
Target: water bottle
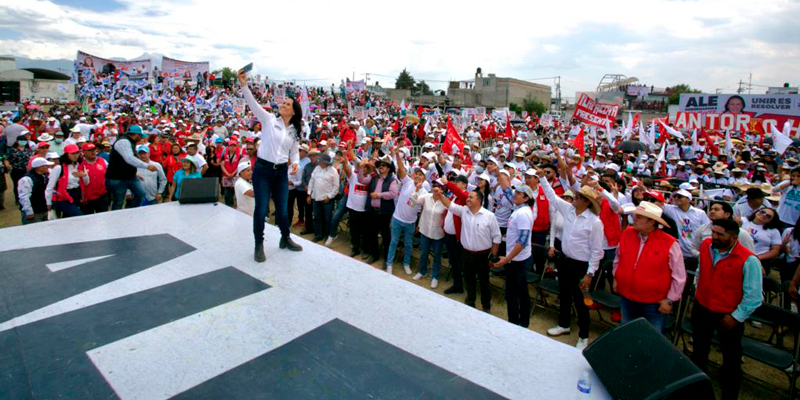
x,y
584,387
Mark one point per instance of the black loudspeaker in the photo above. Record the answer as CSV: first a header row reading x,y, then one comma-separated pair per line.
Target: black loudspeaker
x,y
634,361
204,190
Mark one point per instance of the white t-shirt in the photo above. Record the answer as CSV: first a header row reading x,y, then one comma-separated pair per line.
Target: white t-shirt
x,y
521,219
789,207
199,160
245,204
688,222
405,210
763,239
794,246
357,196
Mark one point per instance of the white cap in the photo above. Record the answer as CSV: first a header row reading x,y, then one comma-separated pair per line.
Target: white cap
x,y
40,162
51,155
242,166
684,193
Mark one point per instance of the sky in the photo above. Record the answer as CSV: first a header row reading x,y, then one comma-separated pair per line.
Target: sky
x,y
708,44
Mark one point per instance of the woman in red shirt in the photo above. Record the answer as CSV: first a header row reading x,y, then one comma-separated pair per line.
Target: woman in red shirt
x,y
172,163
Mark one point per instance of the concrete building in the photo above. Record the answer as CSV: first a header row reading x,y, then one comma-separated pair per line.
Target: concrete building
x,y
36,84
494,92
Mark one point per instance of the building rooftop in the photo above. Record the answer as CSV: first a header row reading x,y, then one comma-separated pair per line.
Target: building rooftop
x,y
41,73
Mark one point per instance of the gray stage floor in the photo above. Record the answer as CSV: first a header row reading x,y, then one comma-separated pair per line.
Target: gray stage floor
x,y
166,301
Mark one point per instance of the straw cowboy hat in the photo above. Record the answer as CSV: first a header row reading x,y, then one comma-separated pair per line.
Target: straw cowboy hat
x,y
648,210
593,197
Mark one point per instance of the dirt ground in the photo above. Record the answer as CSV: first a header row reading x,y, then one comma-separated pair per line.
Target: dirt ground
x,y
760,381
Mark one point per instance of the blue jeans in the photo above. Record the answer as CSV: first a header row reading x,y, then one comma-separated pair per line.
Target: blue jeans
x,y
425,245
322,218
119,188
67,208
633,309
400,230
341,208
270,182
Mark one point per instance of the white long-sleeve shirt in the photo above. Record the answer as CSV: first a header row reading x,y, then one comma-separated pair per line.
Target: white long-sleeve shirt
x,y
154,182
123,148
278,141
324,183
479,231
72,181
24,191
431,222
582,237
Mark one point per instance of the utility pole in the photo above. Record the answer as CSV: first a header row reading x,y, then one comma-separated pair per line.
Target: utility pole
x,y
750,84
740,90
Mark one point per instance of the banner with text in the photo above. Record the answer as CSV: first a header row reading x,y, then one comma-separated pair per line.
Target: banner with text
x,y
103,65
183,70
735,112
594,113
356,86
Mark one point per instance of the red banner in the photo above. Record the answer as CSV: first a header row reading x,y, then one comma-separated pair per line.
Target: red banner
x,y
452,138
594,113
733,122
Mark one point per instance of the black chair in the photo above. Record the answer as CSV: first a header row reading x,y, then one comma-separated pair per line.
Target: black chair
x,y
775,355
604,298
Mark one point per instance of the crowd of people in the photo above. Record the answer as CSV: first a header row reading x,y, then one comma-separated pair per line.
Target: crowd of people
x,y
495,198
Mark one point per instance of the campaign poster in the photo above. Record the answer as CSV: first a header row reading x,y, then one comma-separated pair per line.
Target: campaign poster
x,y
183,70
88,62
738,112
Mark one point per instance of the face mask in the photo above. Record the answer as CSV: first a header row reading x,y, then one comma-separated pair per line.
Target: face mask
x,y
479,170
59,140
23,142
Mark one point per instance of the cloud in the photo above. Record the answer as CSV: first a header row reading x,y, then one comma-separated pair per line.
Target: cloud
x,y
707,43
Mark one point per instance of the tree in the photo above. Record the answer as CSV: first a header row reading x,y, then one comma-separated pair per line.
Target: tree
x,y
421,88
515,108
405,81
533,106
675,92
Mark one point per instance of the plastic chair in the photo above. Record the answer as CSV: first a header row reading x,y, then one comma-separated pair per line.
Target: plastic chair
x,y
775,355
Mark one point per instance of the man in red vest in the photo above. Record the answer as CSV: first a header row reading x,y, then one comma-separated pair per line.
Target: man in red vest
x,y
728,292
94,198
649,273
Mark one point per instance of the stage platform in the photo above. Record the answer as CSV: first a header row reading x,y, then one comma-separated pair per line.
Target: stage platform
x,y
166,301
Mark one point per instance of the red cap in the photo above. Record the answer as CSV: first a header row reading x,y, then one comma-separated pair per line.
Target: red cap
x,y
88,146
656,195
43,144
249,140
71,148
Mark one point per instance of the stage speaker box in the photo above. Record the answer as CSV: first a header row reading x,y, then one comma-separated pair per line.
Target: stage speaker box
x,y
634,361
204,190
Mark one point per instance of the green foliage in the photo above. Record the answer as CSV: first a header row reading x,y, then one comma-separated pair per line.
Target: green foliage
x,y
515,108
421,88
405,81
533,106
675,92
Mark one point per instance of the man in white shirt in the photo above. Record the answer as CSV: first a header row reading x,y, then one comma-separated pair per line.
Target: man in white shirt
x,y
245,199
323,187
688,219
480,236
199,160
518,259
582,237
154,182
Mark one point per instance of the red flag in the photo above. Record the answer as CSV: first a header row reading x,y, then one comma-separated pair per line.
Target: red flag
x,y
579,144
635,121
452,138
491,132
509,133
711,147
421,132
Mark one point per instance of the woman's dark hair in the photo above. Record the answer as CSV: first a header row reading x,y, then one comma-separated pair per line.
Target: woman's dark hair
x,y
297,120
774,223
172,147
484,195
728,102
64,159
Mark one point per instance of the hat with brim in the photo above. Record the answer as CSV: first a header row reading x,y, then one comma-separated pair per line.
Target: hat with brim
x,y
648,210
592,196
325,158
485,177
242,166
45,137
134,130
524,189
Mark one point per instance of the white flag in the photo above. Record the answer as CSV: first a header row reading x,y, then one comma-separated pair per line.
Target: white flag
x,y
728,144
610,134
672,131
782,140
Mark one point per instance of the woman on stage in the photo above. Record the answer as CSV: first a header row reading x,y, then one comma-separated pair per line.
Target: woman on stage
x,y
278,151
